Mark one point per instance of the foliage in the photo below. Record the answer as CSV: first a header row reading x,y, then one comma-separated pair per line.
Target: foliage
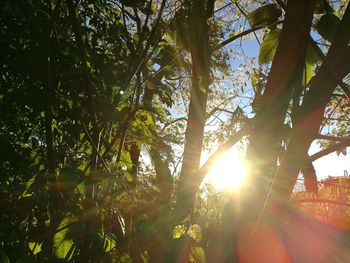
x,y
94,102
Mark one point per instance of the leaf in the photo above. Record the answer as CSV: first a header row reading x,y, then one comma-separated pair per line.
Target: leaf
x,y
268,46
109,244
327,26
310,61
232,34
3,257
178,231
266,14
197,255
125,258
28,185
195,232
323,7
61,244
128,176
81,188
35,247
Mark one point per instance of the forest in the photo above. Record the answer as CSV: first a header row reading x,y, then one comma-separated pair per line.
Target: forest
x,y
153,131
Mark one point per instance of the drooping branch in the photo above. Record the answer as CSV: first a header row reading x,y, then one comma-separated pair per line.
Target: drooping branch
x,y
335,147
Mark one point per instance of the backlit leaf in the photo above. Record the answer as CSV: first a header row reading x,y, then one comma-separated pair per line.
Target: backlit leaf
x,y
268,46
62,245
35,247
178,231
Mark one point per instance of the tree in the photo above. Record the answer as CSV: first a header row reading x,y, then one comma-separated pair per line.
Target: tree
x,y
106,109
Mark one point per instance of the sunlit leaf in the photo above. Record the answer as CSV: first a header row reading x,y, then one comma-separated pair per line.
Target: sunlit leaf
x,y
195,232
311,59
28,184
268,46
232,34
178,231
62,245
35,247
109,243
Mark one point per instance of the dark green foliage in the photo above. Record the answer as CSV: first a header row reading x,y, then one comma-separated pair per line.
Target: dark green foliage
x,y
266,14
322,6
53,89
327,26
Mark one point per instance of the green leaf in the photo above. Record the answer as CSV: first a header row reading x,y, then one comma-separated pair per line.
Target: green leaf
x,y
268,46
3,257
128,176
109,244
35,247
178,231
81,188
232,34
327,26
62,245
266,14
197,255
28,185
311,59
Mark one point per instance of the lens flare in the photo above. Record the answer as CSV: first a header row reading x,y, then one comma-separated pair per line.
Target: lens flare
x,y
228,173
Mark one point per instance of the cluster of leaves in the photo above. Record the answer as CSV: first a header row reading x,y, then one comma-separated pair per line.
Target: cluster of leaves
x,y
71,71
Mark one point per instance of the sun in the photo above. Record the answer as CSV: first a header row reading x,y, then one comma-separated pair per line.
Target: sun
x,y
228,173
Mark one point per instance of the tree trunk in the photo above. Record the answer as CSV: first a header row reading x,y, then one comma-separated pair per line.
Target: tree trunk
x,y
332,71
310,178
199,48
265,141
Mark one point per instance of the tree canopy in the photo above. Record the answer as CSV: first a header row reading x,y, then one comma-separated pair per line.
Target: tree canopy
x,y
107,108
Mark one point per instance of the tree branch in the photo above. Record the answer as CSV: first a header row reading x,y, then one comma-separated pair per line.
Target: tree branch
x,y
330,149
333,138
244,33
